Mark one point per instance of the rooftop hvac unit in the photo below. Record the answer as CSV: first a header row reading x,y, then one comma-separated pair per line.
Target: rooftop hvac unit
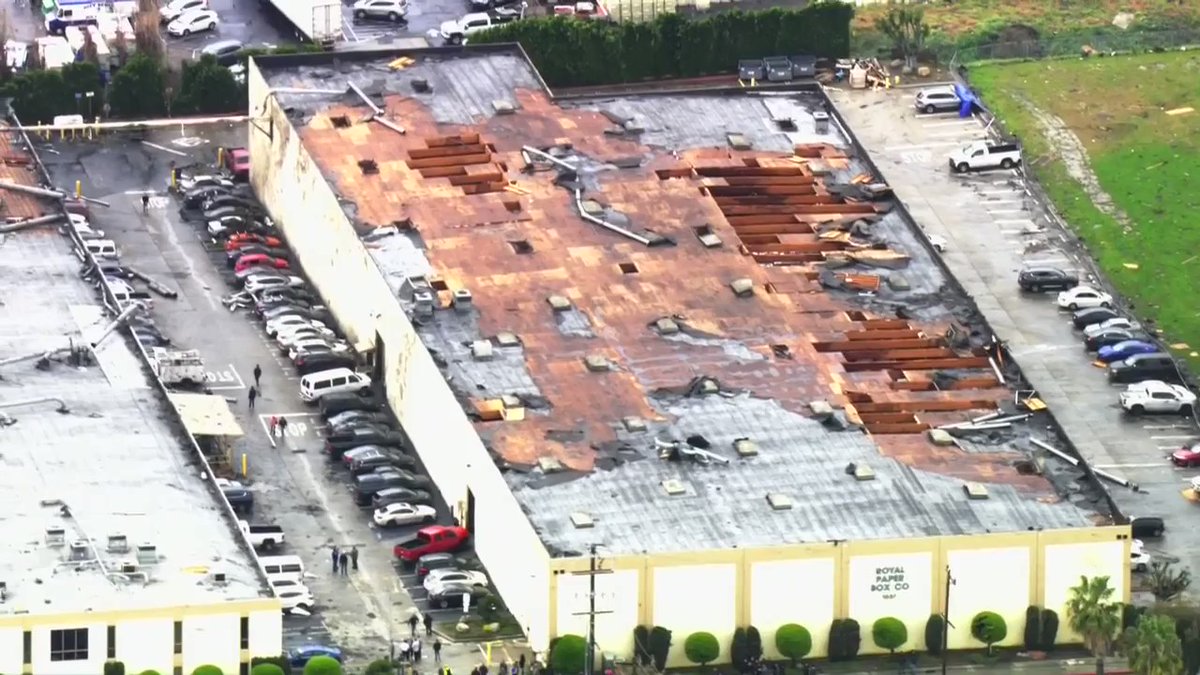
x,y
129,567
147,554
80,550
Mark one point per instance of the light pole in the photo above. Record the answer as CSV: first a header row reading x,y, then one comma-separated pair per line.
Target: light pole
x,y
946,622
90,95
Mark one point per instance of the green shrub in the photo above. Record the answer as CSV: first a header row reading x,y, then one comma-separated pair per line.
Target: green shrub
x,y
266,669
1033,628
935,626
701,648
793,641
569,52
381,667
889,633
114,668
568,655
851,638
208,669
322,665
989,628
641,645
754,648
1049,629
148,672
738,655
660,647
280,661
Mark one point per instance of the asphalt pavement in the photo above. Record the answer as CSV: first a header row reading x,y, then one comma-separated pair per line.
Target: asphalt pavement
x,y
294,484
994,224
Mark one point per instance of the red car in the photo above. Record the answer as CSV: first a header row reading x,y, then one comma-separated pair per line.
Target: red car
x,y
237,160
259,259
432,539
236,240
1186,457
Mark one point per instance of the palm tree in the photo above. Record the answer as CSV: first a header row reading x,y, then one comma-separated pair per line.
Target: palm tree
x,y
1153,646
1093,614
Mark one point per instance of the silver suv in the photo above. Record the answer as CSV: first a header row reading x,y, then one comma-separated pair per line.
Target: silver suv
x,y
937,99
392,10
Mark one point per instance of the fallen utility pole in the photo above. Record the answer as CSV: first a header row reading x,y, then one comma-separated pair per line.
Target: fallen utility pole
x,y
153,285
1075,462
30,222
49,194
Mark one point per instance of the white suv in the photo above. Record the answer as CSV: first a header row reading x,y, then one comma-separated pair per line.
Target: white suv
x,y
392,10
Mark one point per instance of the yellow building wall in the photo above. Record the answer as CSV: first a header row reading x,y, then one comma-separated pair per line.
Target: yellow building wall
x,y
793,591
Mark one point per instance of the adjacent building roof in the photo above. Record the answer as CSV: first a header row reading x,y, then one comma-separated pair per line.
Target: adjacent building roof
x,y
692,318
101,504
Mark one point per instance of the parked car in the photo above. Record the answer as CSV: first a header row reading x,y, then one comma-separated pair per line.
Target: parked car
x,y
339,380
231,198
275,326
1119,322
451,595
752,70
296,598
255,213
1110,337
262,282
358,416
400,513
937,99
400,494
439,561
1124,350
237,162
287,340
195,197
381,458
1186,457
304,345
241,499
240,239
1093,315
345,438
333,404
313,362
432,539
435,579
259,259
300,656
1038,279
1142,367
1139,559
224,51
1081,297
1145,527
196,21
391,10
1155,396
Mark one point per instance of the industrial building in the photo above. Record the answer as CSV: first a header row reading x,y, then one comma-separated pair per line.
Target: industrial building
x,y
687,329
118,546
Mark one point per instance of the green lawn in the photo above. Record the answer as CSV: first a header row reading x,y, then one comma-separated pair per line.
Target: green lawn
x,y
1148,161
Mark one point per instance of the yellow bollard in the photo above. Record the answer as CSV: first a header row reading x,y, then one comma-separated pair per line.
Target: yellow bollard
x,y
174,186
78,189
489,654
245,474
220,156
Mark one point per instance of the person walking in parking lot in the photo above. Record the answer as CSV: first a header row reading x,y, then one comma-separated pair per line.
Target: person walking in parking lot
x,y
252,394
412,624
428,624
257,374
437,649
343,563
145,202
334,555
282,426
416,650
354,558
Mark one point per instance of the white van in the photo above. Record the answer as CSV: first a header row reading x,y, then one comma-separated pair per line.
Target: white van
x,y
336,381
102,248
282,565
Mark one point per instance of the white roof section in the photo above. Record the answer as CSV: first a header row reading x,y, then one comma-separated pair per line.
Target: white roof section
x,y
108,467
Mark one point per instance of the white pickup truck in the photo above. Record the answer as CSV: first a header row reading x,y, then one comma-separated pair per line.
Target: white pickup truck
x,y
983,155
266,537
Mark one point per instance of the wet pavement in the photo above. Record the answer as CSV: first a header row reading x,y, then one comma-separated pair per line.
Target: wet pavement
x,y
294,484
994,224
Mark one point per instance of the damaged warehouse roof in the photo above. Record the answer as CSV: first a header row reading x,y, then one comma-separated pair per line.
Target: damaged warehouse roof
x,y
682,321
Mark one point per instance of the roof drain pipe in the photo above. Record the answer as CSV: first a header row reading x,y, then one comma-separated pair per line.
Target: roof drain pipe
x,y
30,222
377,112
549,158
62,405
1075,462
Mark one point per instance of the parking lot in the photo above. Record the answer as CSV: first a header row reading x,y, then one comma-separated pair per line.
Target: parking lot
x,y
293,482
994,225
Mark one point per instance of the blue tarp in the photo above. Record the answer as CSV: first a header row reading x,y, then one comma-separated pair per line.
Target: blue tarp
x,y
969,101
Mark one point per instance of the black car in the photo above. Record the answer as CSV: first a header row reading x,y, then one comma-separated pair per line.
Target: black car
x,y
1038,279
247,213
332,404
1111,337
441,561
228,199
315,363
196,197
1146,527
751,69
343,428
366,485
451,595
340,441
360,416
397,495
150,336
372,462
1086,317
241,499
1142,367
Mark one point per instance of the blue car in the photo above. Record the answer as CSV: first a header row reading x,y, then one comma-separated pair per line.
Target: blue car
x,y
1123,350
300,656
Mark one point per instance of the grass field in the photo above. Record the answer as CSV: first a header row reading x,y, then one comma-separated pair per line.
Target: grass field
x,y
1146,160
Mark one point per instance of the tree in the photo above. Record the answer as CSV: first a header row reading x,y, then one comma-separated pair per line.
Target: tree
x,y
568,655
660,647
91,54
1093,614
889,633
270,669
1153,647
1049,629
935,628
793,641
754,647
989,628
641,645
208,669
1167,583
207,87
114,668
145,31
737,650
1033,628
322,665
905,26
137,89
39,95
701,648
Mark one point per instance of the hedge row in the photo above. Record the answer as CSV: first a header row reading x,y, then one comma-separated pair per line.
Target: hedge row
x,y
569,52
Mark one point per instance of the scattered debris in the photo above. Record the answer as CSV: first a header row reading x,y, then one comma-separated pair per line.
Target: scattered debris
x,y
1181,111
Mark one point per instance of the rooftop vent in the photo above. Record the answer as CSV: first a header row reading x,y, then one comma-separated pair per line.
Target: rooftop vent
x,y
743,288
820,408
707,237
739,142
220,578
674,487
549,464
521,247
779,501
118,543
463,299
147,554
340,121
507,339
581,520
860,472
666,326
502,107
129,567
634,424
439,285
80,550
975,491
423,302
786,124
597,363
421,86
559,303
628,268
56,536
368,166
821,121
745,447
482,350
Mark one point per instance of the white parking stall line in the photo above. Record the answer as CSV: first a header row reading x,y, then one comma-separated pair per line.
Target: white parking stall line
x,y
350,31
1007,211
988,193
1046,261
1168,438
1156,427
1000,182
922,146
1146,465
1013,221
964,134
956,123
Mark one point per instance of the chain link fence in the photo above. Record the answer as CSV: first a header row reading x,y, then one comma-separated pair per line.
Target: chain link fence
x,y
1073,45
